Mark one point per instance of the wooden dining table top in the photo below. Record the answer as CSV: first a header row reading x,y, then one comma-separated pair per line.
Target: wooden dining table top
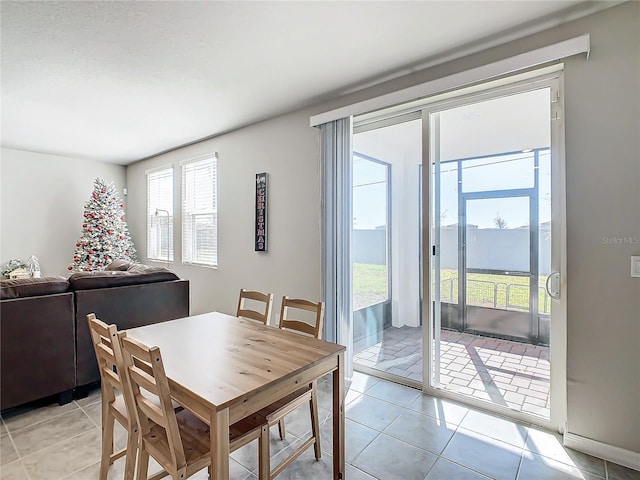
x,y
222,359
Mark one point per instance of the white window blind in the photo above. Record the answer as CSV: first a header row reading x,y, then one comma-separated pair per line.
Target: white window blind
x,y
160,214
200,211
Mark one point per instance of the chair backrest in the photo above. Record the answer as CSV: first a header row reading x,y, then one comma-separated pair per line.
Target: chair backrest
x,y
109,355
288,322
260,315
146,373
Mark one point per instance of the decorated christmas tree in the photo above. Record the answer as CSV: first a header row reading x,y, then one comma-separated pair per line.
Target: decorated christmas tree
x,y
105,237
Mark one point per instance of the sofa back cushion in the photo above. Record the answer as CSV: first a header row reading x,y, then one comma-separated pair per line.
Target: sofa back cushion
x,y
32,287
119,265
135,275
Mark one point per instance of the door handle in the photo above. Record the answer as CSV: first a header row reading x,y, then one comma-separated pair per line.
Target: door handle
x,y
552,285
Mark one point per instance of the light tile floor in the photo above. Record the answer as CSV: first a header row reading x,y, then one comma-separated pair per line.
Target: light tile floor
x,y
392,433
507,373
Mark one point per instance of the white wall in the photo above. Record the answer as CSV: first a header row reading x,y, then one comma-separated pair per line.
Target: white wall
x,y
42,200
286,148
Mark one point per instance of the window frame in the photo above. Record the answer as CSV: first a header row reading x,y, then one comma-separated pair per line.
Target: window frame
x,y
189,228
155,213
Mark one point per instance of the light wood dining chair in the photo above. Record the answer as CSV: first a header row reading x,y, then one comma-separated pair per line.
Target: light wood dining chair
x,y
264,314
177,439
114,407
276,412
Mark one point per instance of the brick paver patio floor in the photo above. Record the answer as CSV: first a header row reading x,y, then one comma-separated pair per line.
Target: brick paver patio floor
x,y
504,372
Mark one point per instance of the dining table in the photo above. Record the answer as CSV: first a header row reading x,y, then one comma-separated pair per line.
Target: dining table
x,y
224,368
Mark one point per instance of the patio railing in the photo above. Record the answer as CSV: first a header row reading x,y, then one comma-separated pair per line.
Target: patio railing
x,y
485,293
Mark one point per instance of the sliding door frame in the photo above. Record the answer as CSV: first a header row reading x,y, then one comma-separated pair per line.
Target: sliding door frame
x,y
554,81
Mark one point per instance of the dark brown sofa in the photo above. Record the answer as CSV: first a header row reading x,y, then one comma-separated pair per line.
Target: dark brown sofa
x,y
37,352
45,343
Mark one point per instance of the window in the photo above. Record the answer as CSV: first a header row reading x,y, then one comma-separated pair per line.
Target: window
x,y
160,214
200,212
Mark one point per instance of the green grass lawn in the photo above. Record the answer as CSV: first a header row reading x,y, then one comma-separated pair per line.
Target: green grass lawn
x,y
482,289
369,278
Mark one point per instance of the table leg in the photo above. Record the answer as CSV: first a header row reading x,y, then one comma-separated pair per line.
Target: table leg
x,y
220,445
338,420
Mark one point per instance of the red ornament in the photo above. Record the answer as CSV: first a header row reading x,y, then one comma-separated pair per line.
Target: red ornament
x,y
69,267
89,229
86,269
84,225
101,217
77,244
91,252
122,205
121,237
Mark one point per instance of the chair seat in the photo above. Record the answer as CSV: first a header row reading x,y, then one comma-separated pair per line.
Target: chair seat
x,y
281,407
195,435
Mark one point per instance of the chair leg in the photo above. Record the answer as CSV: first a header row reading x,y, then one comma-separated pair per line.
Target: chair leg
x,y
315,423
143,464
132,448
264,455
108,424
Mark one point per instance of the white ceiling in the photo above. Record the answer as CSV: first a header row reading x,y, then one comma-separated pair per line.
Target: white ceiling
x,y
121,81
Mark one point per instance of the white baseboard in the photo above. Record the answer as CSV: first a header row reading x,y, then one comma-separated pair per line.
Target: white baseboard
x,y
603,450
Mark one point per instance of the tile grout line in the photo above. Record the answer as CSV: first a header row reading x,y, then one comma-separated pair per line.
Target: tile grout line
x,y
79,470
50,446
91,419
15,448
520,462
43,420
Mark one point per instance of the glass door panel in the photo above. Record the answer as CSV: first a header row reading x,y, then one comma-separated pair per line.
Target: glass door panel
x,y
490,200
387,332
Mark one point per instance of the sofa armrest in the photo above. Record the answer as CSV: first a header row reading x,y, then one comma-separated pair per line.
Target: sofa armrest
x,y
38,348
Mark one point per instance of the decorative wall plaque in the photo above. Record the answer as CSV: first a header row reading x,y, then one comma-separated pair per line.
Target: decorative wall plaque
x,y
261,212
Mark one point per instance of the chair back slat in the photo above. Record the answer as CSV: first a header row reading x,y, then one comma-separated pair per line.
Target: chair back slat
x,y
144,380
146,372
263,315
287,322
152,411
106,344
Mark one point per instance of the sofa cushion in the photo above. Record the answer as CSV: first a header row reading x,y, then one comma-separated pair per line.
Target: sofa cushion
x,y
119,265
32,287
133,276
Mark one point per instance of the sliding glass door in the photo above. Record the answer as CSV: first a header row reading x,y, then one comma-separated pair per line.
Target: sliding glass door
x,y
486,219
